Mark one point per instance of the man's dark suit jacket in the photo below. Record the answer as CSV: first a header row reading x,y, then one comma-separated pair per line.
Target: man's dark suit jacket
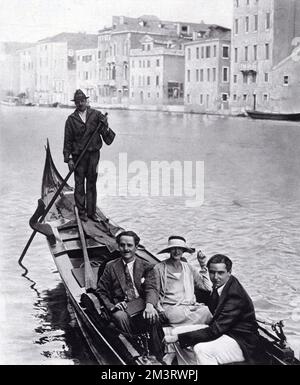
x,y
112,284
234,316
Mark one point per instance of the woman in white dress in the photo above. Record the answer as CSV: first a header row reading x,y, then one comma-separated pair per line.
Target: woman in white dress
x,y
177,280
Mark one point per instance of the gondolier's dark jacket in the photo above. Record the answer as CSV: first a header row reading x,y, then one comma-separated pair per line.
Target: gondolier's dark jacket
x,y
112,284
77,133
234,316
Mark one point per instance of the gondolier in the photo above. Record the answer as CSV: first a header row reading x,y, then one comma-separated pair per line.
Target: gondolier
x,y
79,128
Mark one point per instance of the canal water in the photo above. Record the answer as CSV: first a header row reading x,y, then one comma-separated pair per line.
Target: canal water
x,y
250,212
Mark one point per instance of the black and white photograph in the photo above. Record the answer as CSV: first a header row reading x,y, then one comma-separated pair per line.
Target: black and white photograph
x,y
150,185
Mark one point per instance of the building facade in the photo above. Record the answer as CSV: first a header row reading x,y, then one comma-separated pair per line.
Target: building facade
x,y
10,67
207,71
156,72
56,66
116,43
87,73
28,78
262,36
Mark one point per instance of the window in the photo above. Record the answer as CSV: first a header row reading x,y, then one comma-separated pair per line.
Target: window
x,y
245,78
285,80
188,75
234,78
197,75
255,52
125,71
255,22
140,63
157,62
132,81
267,51
215,50
225,51
266,77
197,52
235,97
201,75
148,47
248,2
247,24
236,26
189,54
246,53
188,98
225,72
207,51
265,97
148,63
208,74
245,97
157,80
87,58
113,76
214,74
202,52
201,98
268,20
149,95
237,3
148,80
224,97
235,55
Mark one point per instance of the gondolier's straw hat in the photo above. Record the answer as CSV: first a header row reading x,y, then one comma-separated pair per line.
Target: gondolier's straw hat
x,y
79,95
176,241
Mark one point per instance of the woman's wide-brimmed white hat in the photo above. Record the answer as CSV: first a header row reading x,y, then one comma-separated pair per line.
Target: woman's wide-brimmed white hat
x,y
176,241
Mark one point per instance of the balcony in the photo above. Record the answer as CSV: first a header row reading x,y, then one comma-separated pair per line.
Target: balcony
x,y
246,66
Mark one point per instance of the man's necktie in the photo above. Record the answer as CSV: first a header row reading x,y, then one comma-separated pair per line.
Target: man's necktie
x,y
213,300
129,285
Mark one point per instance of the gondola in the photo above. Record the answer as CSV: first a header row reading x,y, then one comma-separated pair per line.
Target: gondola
x,y
108,344
273,115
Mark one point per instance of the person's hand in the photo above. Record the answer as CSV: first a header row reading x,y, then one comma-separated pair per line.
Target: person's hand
x,y
121,306
104,123
201,259
71,165
171,339
150,313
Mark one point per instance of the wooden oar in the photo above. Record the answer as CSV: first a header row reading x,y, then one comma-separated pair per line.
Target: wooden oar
x,y
89,276
58,191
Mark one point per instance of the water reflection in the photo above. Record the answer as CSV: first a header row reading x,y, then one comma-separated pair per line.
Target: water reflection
x,y
59,331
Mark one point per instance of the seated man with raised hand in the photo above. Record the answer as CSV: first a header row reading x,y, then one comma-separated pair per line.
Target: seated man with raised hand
x,y
232,334
123,281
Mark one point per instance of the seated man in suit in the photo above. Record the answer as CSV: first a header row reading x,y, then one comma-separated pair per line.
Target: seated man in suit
x,y
232,334
125,279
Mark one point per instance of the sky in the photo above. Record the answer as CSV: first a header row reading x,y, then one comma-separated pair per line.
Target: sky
x,y
32,20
